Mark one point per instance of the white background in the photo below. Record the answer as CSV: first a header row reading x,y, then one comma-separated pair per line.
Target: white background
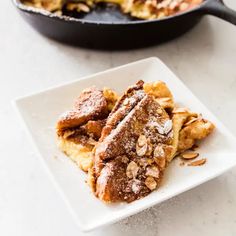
x,y
205,59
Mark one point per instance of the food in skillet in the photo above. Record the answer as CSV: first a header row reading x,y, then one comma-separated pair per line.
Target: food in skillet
x,y
142,9
126,143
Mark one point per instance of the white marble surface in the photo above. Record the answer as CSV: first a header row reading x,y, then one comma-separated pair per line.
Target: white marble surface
x,y
204,59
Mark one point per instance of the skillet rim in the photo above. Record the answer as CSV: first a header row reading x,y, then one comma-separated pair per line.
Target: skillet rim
x,y
45,13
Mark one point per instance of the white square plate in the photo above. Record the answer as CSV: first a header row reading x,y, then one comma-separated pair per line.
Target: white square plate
x,y
40,112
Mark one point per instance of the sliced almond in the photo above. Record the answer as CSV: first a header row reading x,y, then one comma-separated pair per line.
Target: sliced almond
x,y
159,156
159,151
142,140
180,110
132,170
198,162
189,155
168,126
136,186
164,128
190,121
126,102
141,151
161,162
68,133
153,172
150,183
165,99
83,7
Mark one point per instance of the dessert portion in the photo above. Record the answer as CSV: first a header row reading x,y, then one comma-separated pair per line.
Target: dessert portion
x,y
131,154
126,143
79,129
142,9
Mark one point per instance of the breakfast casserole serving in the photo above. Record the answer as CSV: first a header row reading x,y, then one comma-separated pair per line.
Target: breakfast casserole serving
x,y
126,142
142,9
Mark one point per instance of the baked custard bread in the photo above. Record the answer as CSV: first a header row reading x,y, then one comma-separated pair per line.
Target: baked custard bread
x,y
130,158
161,93
126,143
188,128
142,9
79,129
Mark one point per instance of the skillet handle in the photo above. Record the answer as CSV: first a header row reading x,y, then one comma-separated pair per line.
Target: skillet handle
x,y
217,8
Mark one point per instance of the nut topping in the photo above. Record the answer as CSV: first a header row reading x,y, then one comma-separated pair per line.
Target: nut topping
x,y
198,162
68,133
132,170
193,119
150,183
141,151
159,156
136,186
144,162
159,151
161,162
126,102
166,128
180,110
141,146
152,171
142,140
189,155
165,99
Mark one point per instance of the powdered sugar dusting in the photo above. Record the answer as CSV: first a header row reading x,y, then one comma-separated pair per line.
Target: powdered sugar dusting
x,y
136,186
150,221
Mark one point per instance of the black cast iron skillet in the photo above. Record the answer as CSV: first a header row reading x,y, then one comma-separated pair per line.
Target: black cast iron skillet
x,y
107,28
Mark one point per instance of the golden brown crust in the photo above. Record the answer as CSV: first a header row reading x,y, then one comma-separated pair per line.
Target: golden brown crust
x,y
130,98
197,130
94,128
79,129
161,93
111,97
128,161
137,140
188,128
90,105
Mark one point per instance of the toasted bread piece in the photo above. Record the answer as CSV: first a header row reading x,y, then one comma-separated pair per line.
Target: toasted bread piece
x,y
90,105
79,129
130,159
178,120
